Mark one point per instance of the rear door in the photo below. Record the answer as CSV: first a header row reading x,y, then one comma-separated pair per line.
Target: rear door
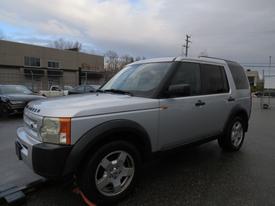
x,y
185,119
215,93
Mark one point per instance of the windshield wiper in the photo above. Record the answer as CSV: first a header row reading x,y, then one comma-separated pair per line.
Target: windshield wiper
x,y
100,91
117,91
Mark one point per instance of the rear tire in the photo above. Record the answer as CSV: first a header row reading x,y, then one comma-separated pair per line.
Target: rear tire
x,y
233,136
110,173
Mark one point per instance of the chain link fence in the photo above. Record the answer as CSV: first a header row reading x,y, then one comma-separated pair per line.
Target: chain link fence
x,y
39,80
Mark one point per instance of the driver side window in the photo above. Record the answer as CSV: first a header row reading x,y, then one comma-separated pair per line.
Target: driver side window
x,y
188,74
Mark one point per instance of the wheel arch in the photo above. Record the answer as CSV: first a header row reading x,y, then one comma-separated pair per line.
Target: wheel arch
x,y
238,111
113,130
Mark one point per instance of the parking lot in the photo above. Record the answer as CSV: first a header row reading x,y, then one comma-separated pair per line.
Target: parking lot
x,y
199,176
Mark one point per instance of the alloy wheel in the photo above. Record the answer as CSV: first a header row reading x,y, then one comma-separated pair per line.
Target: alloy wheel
x,y
114,173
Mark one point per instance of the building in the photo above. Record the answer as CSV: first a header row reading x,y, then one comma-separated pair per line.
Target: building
x,y
253,78
40,67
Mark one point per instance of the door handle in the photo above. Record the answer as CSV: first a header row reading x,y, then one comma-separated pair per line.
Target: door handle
x,y
199,103
231,99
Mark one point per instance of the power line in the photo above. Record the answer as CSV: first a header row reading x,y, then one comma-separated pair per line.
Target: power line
x,y
258,66
254,63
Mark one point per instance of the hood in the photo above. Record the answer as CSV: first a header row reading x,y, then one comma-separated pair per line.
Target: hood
x,y
89,104
22,97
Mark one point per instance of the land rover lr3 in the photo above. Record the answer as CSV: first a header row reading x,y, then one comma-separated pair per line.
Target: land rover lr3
x,y
149,106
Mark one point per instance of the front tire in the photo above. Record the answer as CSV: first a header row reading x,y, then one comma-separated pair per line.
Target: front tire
x,y
233,136
110,173
4,110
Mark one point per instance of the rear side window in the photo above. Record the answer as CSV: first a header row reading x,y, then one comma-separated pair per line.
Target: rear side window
x,y
213,79
188,73
238,75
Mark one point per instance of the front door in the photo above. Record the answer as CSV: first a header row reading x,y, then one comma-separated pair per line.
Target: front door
x,y
182,117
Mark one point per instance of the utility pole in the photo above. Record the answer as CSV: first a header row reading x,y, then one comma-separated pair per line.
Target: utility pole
x,y
262,96
187,41
269,76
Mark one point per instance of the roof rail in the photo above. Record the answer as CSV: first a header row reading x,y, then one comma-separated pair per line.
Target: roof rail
x,y
216,58
212,58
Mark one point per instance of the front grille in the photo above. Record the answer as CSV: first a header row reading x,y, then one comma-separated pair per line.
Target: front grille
x,y
32,124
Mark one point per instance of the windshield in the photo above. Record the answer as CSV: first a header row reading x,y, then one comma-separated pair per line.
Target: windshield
x,y
138,79
14,89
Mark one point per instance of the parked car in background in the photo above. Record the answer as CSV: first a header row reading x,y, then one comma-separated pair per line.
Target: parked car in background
x,y
54,91
266,93
68,87
13,98
81,89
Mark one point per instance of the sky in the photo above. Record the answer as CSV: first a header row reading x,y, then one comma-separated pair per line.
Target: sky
x,y
241,30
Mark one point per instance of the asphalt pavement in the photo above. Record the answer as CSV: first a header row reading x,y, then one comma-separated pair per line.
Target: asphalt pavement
x,y
203,175
12,171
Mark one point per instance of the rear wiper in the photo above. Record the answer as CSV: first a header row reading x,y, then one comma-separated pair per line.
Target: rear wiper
x,y
118,91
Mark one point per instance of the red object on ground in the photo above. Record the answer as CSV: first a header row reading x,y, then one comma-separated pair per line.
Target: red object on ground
x,y
85,199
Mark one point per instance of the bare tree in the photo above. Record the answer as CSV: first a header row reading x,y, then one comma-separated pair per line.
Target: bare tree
x,y
66,45
125,59
114,62
138,58
111,60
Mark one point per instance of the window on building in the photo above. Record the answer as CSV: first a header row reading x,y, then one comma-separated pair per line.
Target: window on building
x,y
32,61
251,81
53,64
213,79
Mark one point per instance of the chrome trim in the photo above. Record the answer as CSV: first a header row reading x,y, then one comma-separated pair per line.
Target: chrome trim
x,y
32,124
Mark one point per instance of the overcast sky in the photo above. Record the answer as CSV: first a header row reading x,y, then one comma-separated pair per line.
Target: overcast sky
x,y
243,30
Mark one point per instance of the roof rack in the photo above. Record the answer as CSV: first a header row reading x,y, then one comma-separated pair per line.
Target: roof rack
x,y
216,58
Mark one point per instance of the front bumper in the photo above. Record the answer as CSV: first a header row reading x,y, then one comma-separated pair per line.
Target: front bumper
x,y
14,108
20,106
47,160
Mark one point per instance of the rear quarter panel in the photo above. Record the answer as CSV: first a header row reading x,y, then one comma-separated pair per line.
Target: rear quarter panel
x,y
242,96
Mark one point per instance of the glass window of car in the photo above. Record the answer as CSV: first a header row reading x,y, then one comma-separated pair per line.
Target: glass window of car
x,y
189,74
139,79
239,76
56,88
14,89
213,79
79,88
89,88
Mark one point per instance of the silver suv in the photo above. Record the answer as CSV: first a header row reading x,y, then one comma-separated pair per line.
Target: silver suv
x,y
149,106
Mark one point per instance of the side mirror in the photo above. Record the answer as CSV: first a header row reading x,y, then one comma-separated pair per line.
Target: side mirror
x,y
179,90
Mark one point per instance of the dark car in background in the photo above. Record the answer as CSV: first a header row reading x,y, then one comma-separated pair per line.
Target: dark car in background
x,y
265,93
13,98
81,89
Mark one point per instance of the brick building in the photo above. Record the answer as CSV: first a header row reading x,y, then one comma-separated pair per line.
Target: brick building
x,y
40,67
